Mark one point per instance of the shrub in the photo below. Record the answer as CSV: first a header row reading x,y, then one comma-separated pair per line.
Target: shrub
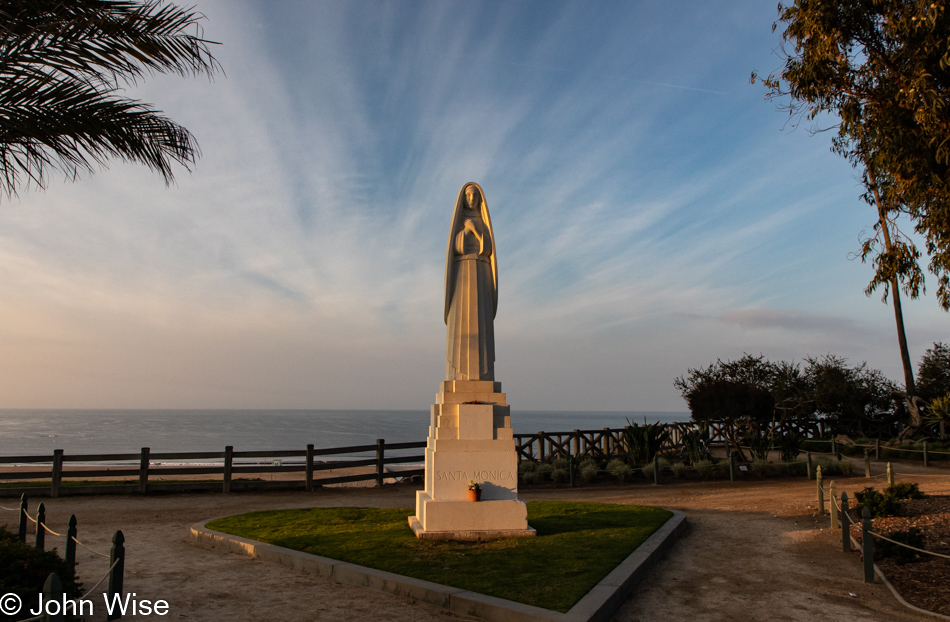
x,y
560,476
798,467
647,471
531,477
763,468
705,468
621,470
562,463
901,555
589,471
904,490
696,443
527,466
24,568
544,471
643,442
664,464
588,462
846,468
790,444
877,503
679,469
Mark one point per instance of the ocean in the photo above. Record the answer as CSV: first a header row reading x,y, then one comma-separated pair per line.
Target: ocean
x,y
39,432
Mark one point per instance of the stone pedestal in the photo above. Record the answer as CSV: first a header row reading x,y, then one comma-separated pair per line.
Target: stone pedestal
x,y
470,439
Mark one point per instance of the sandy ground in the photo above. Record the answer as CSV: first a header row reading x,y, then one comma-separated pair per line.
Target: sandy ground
x,y
755,551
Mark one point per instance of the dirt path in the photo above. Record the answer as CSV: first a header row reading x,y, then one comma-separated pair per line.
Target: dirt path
x,y
755,551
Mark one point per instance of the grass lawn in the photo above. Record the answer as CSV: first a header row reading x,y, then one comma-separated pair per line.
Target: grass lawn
x,y
577,545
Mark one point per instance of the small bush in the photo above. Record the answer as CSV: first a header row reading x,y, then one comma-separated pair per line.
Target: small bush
x,y
647,471
589,472
562,463
904,490
798,468
901,555
664,464
877,503
588,462
679,469
531,477
527,466
560,476
621,470
24,568
763,468
706,469
544,471
846,468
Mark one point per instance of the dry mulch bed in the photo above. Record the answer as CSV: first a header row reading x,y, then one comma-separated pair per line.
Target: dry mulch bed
x,y
924,582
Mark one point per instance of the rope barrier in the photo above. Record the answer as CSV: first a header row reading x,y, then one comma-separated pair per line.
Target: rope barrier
x,y
907,546
9,509
106,576
48,530
29,517
89,549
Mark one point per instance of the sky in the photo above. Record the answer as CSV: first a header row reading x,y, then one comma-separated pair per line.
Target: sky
x,y
652,213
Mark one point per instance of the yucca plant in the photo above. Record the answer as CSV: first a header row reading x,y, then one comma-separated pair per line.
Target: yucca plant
x,y
644,442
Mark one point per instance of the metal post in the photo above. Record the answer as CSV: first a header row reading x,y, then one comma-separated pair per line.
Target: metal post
x,y
309,468
571,469
71,545
732,466
380,456
867,463
21,528
656,470
833,489
877,449
821,491
834,446
890,475
40,539
115,576
867,540
845,524
143,470
808,463
925,453
540,446
57,473
228,460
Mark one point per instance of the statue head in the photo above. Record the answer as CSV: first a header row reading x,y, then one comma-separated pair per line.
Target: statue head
x,y
473,198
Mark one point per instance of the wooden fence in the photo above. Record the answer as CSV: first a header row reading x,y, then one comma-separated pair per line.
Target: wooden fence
x,y
234,463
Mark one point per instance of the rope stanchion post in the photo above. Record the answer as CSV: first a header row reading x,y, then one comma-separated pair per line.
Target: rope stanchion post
x,y
808,463
572,471
143,470
867,463
117,561
845,524
226,478
656,470
57,475
310,467
925,453
732,465
21,526
71,544
867,542
821,491
877,449
40,539
834,505
53,593
890,475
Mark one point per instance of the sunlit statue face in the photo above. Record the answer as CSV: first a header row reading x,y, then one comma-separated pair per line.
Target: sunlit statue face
x,y
472,198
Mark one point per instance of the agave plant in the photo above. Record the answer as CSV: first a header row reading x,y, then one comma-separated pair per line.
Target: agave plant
x,y
644,442
696,443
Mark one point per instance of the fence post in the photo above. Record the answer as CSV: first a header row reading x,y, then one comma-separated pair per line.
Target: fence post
x,y
380,454
21,528
845,524
116,575
226,478
808,463
143,470
925,453
40,539
890,475
53,592
605,442
867,463
571,469
833,489
834,446
71,545
821,491
577,443
732,464
540,446
656,470
309,468
867,540
877,449
57,473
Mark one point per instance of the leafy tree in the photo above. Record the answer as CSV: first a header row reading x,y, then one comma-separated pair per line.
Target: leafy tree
x,y
933,372
62,65
851,399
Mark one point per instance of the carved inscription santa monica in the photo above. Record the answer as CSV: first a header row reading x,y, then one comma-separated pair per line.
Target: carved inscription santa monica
x,y
477,476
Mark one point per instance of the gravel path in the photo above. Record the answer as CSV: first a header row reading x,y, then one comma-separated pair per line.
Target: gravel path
x,y
755,551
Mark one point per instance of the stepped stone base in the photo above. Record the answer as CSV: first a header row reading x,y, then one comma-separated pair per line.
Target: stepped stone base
x,y
470,440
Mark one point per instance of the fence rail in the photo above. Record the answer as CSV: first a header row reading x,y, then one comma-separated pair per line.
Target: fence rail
x,y
142,479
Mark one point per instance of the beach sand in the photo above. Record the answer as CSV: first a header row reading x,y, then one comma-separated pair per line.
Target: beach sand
x,y
756,550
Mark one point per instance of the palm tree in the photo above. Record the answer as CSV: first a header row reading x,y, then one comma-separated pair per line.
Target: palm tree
x,y
61,66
